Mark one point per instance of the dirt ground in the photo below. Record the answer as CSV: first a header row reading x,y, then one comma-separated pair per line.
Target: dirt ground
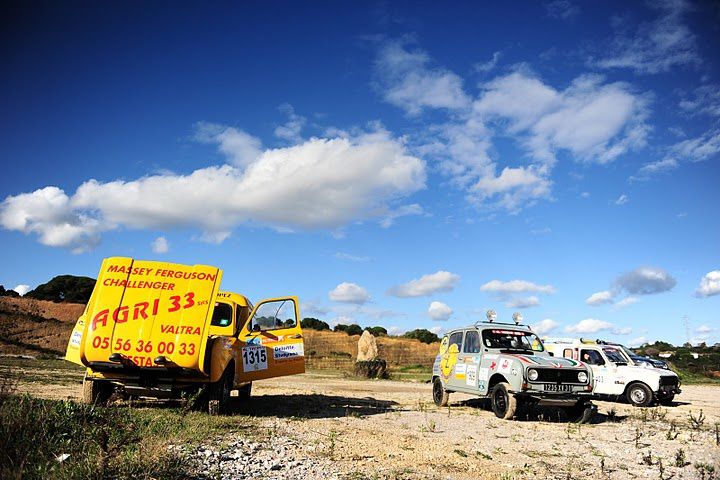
x,y
390,429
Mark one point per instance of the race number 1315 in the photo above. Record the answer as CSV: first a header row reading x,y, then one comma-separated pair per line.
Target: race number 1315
x,y
254,358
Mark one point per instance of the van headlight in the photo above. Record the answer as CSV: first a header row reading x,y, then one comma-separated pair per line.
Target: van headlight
x,y
582,377
532,374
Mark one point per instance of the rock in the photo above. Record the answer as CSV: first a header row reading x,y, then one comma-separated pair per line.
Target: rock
x,y
367,347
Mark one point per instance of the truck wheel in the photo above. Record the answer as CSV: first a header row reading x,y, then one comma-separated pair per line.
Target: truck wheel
x,y
219,393
581,412
244,391
504,404
639,395
440,395
96,392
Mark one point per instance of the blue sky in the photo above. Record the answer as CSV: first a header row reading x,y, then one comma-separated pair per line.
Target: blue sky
x,y
402,164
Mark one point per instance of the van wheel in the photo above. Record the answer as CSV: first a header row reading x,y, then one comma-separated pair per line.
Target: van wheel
x,y
639,395
244,391
219,393
96,392
503,403
441,397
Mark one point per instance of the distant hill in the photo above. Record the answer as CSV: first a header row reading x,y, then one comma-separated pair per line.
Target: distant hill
x,y
64,288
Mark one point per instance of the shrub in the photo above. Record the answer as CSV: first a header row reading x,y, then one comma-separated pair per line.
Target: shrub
x,y
314,324
64,288
425,336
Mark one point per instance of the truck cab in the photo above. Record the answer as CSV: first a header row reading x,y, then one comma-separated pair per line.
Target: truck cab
x,y
165,330
508,364
614,373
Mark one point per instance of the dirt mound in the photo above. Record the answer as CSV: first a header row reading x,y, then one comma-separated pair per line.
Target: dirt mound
x,y
36,327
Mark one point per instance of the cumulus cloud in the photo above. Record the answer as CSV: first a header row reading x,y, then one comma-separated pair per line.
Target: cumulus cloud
x,y
349,293
410,82
627,301
439,311
600,298
524,302
589,325
637,342
709,285
656,46
645,281
515,286
440,281
320,183
543,327
160,245
22,289
290,131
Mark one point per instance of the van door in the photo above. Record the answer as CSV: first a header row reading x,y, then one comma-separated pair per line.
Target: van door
x,y
271,342
455,366
470,357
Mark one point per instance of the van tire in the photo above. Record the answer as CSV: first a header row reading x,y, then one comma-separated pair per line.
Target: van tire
x,y
244,391
96,392
639,394
219,393
504,404
441,397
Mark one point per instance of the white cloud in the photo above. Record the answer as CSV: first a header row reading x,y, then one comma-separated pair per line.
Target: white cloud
x,y
585,194
709,285
22,289
622,200
543,327
437,330
241,148
341,320
439,311
515,286
655,46
653,168
351,257
600,298
705,99
349,293
637,342
622,331
645,281
562,9
440,281
627,301
699,148
321,183
702,329
160,245
410,83
395,331
290,131
312,309
589,325
489,65
406,210
526,302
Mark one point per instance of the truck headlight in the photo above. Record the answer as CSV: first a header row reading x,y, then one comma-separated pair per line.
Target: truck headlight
x,y
532,374
582,377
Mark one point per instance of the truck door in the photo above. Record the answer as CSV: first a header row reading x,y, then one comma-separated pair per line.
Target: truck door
x,y
271,342
470,357
455,365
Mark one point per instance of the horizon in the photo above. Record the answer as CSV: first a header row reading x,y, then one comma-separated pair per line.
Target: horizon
x,y
390,164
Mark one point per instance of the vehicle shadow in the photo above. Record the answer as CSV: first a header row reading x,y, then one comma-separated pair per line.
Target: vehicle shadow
x,y
527,413
309,406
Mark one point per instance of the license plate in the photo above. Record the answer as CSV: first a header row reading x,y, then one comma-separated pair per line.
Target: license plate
x,y
555,387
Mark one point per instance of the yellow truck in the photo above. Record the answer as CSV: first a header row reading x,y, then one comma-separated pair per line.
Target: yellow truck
x,y
165,330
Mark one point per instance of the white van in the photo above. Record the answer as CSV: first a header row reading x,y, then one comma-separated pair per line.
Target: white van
x,y
614,373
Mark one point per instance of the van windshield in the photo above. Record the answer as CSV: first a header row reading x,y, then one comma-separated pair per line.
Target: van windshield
x,y
512,340
615,355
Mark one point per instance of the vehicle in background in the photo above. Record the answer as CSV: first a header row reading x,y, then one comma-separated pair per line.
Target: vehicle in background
x,y
639,360
508,364
614,373
164,330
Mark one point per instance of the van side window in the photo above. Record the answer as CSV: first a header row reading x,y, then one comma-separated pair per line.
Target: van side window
x,y
456,338
222,315
472,342
591,357
568,353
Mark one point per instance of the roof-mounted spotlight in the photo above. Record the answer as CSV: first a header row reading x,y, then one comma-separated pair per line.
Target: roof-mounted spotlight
x,y
517,318
491,315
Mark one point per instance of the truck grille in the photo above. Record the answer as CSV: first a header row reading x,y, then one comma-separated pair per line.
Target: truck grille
x,y
552,375
668,381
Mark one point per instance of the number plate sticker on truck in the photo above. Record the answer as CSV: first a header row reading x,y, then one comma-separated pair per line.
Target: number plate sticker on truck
x,y
555,387
254,359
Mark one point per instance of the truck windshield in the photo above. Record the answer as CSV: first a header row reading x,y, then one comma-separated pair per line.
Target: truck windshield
x,y
615,355
512,340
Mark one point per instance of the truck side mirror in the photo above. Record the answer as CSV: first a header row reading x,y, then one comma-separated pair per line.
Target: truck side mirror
x,y
551,354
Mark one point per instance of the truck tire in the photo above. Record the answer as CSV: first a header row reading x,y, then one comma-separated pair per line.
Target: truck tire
x,y
244,391
440,395
504,404
96,392
219,393
639,394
